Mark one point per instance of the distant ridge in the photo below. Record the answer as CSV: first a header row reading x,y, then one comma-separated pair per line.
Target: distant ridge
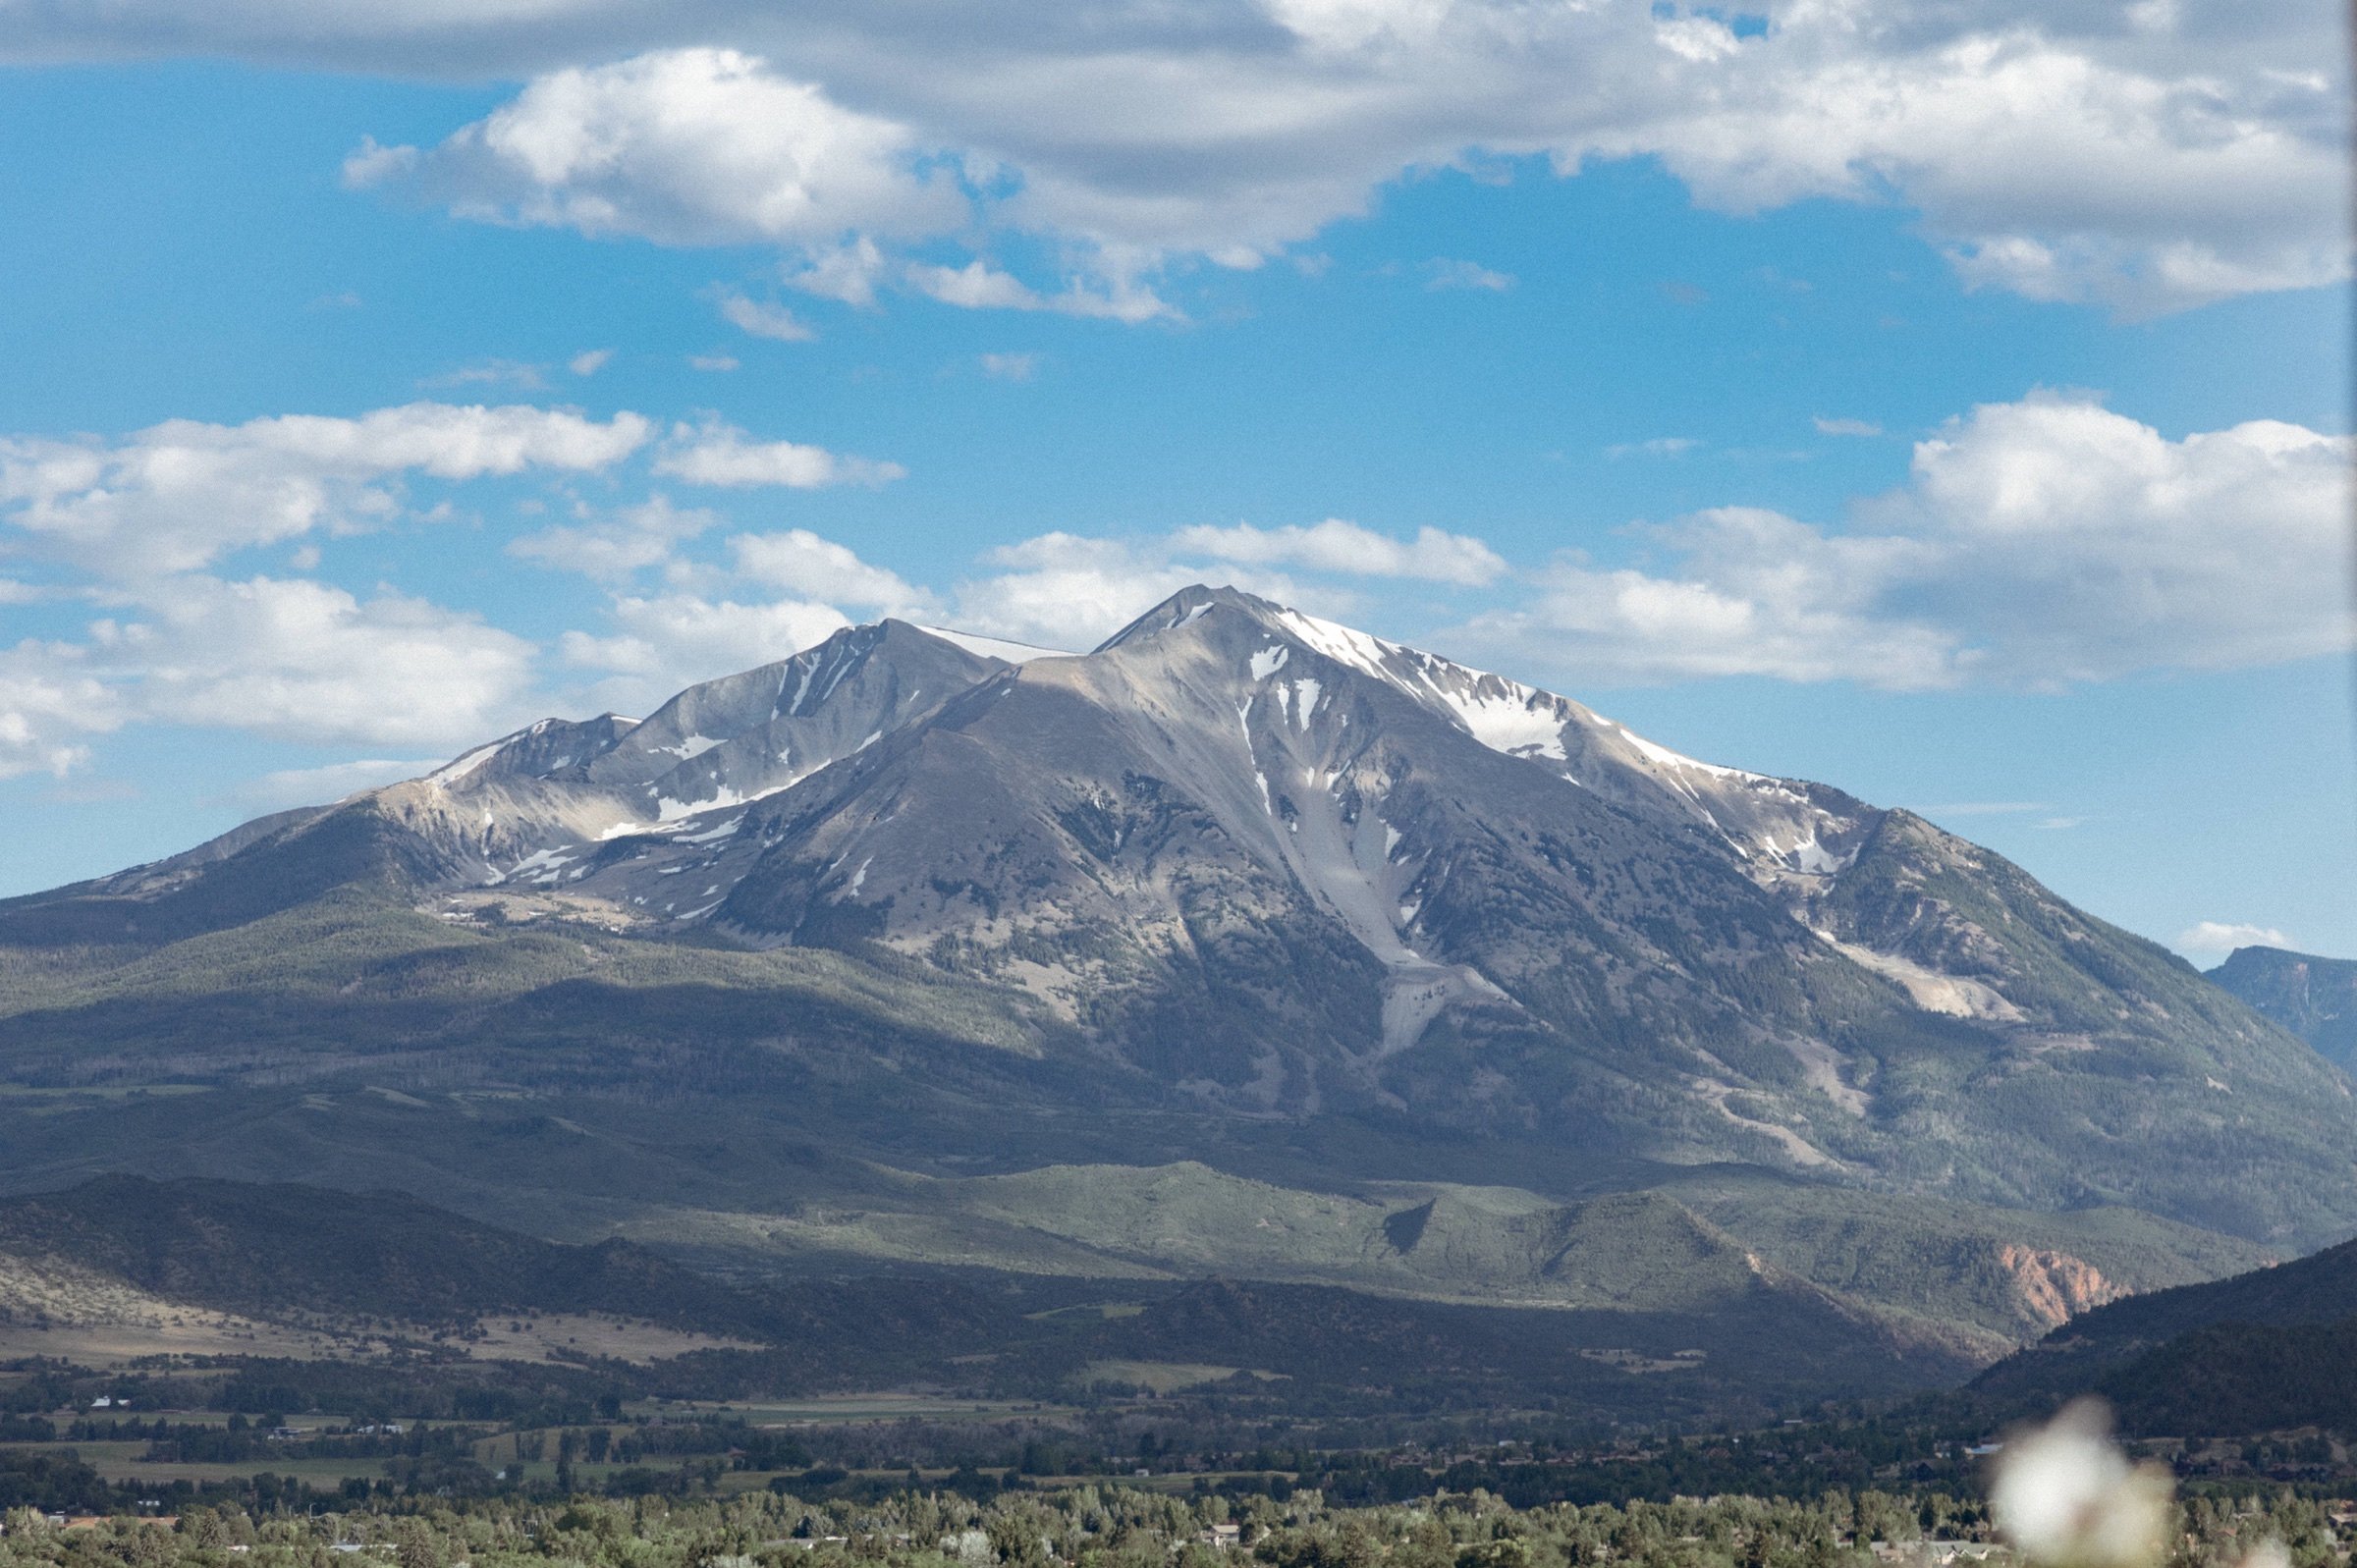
x,y
2314,997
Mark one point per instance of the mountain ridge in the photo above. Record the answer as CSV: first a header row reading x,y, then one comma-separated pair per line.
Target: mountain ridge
x,y
2313,996
1241,886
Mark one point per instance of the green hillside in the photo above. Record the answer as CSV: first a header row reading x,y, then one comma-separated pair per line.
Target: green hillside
x,y
282,1253
807,1118
1991,1277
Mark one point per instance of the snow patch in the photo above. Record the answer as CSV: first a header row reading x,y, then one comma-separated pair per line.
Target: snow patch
x,y
669,810
1663,756
1270,660
1811,856
1342,644
542,865
795,706
451,773
692,746
1517,720
1014,653
1305,700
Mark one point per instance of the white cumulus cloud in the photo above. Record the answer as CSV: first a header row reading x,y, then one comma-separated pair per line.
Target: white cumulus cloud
x,y
51,704
721,454
660,643
2038,544
1338,546
2215,938
801,562
978,286
178,495
290,659
306,661
615,547
2147,158
689,146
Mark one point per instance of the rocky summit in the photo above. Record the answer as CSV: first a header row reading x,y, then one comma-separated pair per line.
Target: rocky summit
x,y
1241,894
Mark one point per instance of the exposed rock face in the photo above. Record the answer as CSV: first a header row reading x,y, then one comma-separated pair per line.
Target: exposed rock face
x,y
1263,865
2056,1287
2314,997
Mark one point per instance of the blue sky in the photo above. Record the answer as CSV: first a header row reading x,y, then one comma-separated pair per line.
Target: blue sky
x,y
371,394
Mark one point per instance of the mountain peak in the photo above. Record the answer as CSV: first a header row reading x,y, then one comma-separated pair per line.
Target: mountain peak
x,y
1417,673
1189,605
984,646
1263,864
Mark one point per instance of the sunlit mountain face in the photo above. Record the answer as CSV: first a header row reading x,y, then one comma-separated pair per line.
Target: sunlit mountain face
x,y
1259,865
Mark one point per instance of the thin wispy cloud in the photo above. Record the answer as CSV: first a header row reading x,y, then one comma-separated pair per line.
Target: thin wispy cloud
x,y
510,374
1008,366
762,319
1442,273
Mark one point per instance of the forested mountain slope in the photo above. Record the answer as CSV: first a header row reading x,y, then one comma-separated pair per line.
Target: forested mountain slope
x,y
1242,893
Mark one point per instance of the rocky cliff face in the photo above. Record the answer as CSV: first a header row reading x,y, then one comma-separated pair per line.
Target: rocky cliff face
x,y
2314,997
2053,1286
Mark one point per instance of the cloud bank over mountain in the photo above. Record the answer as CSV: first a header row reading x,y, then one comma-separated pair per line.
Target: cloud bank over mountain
x,y
2037,544
2147,158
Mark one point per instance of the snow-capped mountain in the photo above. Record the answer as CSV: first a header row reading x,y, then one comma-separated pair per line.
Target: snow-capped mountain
x,y
1277,867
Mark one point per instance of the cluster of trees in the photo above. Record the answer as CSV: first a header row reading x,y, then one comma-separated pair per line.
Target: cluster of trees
x,y
436,1388
1093,1527
238,1440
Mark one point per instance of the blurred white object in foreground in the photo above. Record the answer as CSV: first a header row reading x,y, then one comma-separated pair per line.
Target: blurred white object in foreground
x,y
2065,1496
